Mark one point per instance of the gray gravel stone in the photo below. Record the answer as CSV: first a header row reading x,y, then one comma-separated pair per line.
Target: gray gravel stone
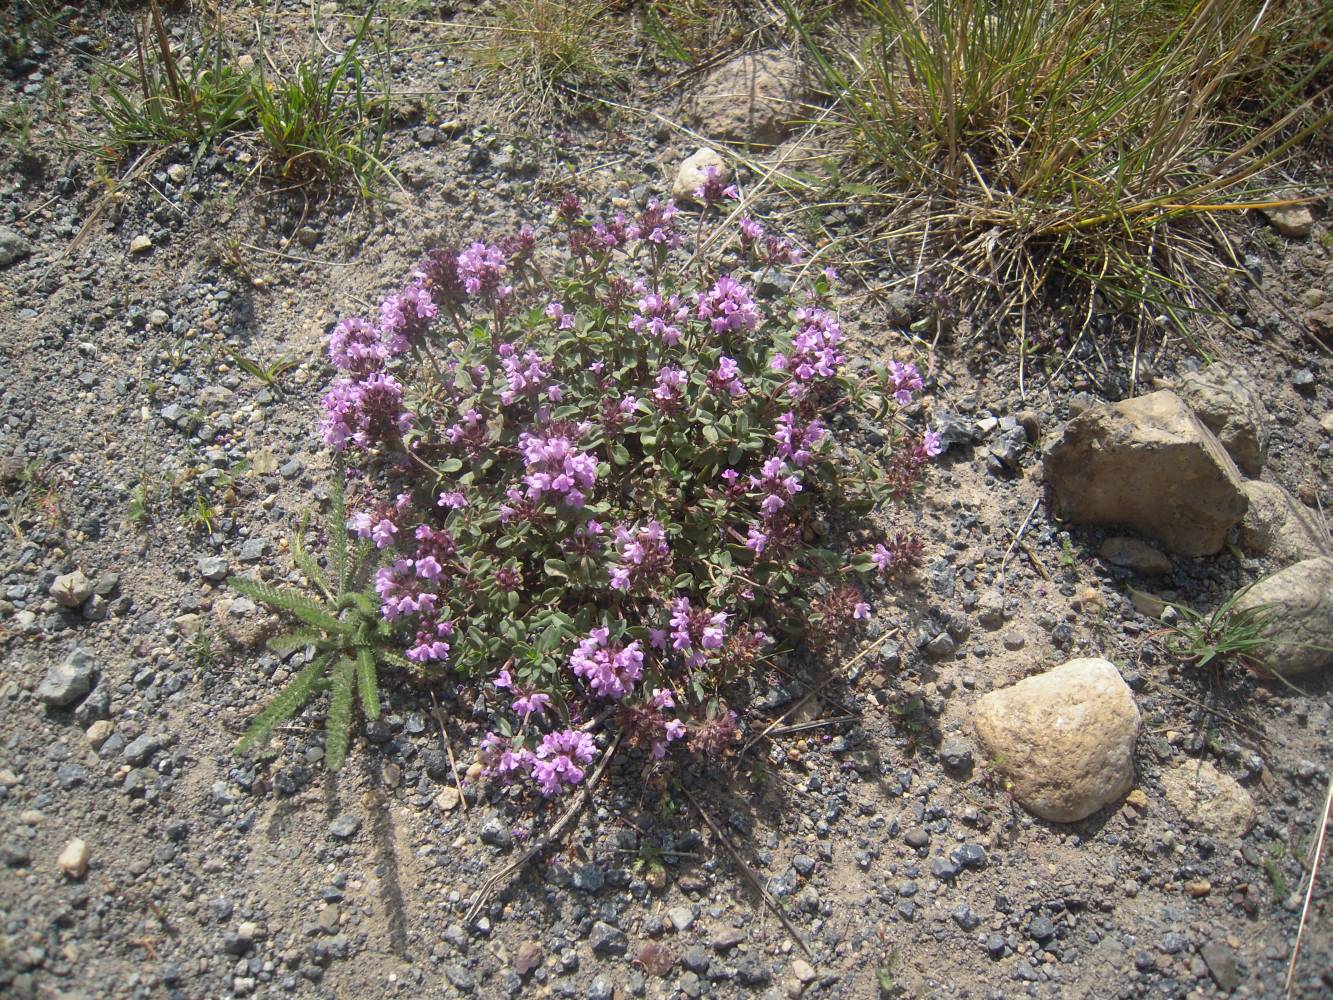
x,y
212,568
496,832
607,940
681,917
67,681
12,246
345,826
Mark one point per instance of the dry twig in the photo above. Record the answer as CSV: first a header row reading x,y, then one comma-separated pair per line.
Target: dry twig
x,y
1309,890
748,872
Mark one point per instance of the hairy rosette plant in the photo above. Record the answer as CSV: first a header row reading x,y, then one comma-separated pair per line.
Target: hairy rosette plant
x,y
603,477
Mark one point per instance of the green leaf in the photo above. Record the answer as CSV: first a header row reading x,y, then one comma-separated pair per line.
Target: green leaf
x,y
365,682
338,725
284,705
619,454
309,611
557,568
296,639
550,638
451,465
710,434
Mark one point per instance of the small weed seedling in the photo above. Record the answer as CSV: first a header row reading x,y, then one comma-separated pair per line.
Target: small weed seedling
x,y
267,374
343,626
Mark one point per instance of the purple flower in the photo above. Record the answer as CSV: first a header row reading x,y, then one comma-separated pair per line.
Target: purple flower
x,y
796,442
611,670
532,703
563,320
933,443
670,384
906,380
861,610
756,540
727,378
525,374
657,225
355,346
663,698
814,352
454,500
728,306
556,465
644,556
559,759
482,269
714,188
659,316
696,631
751,232
429,646
405,316
364,413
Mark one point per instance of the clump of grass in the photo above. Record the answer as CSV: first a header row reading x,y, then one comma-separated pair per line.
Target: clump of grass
x,y
1225,635
323,121
315,120
697,31
1064,144
161,100
547,50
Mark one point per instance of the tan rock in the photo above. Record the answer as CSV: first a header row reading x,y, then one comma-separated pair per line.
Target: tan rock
x,y
1134,554
72,589
1209,799
1292,221
99,732
693,171
1299,602
140,244
1151,464
1064,739
1280,526
1230,404
447,800
752,98
73,860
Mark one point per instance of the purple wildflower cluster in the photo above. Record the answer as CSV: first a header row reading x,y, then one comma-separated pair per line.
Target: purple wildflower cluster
x,y
611,670
556,466
695,632
814,351
558,763
661,316
728,306
645,557
599,471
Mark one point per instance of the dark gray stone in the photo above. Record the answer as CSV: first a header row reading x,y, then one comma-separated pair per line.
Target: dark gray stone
x,y
67,681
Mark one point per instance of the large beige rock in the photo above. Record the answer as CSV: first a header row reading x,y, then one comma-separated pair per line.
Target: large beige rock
x,y
1229,403
1149,463
1300,633
1278,525
1209,799
752,98
1064,739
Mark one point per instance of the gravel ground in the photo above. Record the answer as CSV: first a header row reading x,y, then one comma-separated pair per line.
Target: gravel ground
x,y
889,844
